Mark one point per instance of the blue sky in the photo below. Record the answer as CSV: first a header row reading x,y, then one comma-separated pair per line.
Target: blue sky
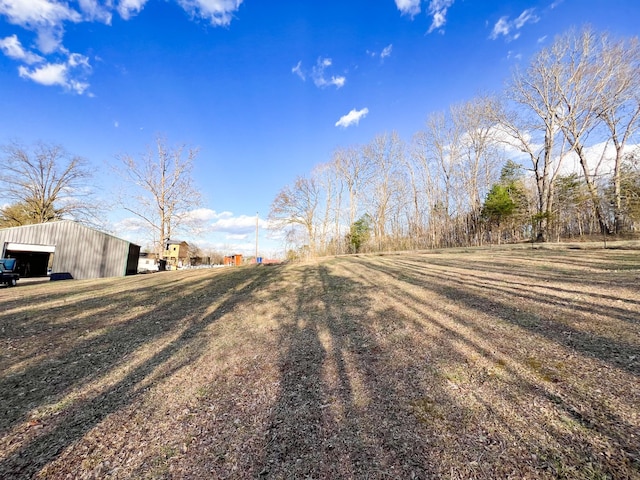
x,y
265,89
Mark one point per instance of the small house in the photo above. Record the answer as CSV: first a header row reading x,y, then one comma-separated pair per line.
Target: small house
x,y
176,254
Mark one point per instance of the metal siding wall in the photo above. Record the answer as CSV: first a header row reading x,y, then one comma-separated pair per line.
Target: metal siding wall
x,y
81,251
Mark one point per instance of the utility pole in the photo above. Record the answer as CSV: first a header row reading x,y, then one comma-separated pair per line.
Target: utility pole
x,y
256,238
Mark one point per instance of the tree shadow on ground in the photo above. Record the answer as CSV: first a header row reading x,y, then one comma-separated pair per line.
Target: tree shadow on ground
x,y
349,407
85,413
584,407
82,361
457,289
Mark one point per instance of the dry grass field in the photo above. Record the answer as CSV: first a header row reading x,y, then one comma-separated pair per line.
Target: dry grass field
x,y
480,364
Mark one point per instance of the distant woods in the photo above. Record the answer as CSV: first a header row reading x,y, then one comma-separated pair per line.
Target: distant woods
x,y
555,156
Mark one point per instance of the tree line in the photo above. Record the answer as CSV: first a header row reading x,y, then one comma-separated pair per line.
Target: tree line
x,y
490,170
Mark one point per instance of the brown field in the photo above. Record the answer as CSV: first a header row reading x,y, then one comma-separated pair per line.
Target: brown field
x,y
481,364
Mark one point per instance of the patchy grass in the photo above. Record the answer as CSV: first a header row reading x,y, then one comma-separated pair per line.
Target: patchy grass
x,y
477,364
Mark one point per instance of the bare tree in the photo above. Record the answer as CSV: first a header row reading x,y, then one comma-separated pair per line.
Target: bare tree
x,y
619,106
296,206
354,171
596,82
45,183
384,153
532,126
329,189
579,82
417,194
160,189
438,148
479,157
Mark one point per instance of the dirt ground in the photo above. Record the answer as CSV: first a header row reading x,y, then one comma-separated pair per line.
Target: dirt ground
x,y
475,364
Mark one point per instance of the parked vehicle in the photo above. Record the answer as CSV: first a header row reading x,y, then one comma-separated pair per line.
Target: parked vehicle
x,y
8,274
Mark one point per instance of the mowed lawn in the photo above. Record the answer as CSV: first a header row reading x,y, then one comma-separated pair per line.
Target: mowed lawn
x,y
480,364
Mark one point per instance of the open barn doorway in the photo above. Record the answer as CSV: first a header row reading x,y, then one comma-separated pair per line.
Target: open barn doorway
x,y
32,260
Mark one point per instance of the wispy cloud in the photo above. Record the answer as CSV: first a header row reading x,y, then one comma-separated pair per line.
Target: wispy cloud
x,y
298,71
93,10
318,73
515,56
129,8
386,52
504,26
129,225
438,11
408,7
352,118
217,12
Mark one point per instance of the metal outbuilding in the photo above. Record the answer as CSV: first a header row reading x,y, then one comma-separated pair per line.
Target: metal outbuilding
x,y
66,246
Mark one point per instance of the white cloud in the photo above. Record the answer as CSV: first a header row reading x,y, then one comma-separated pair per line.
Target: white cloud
x,y
218,12
386,51
319,78
438,10
600,159
130,224
240,225
77,60
47,18
504,26
542,39
337,81
78,87
116,124
352,118
298,71
408,7
525,17
68,74
50,39
93,10
237,236
517,56
33,14
129,8
12,48
49,74
206,214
